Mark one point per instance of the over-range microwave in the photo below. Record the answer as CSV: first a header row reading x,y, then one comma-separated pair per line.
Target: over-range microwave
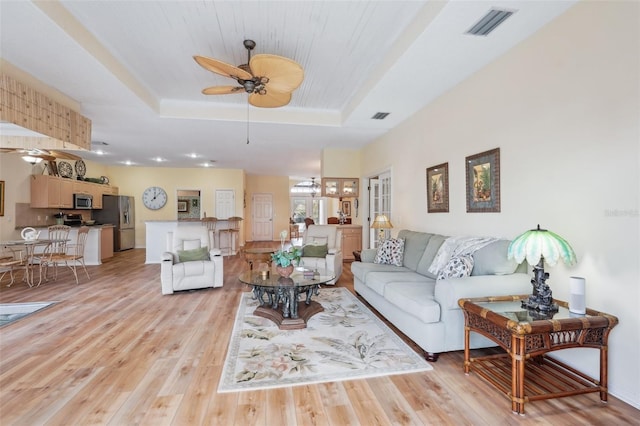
x,y
82,201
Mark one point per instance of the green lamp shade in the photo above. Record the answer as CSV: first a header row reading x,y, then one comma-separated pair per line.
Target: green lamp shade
x,y
537,243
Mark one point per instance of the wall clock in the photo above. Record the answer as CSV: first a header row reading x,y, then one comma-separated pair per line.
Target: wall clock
x,y
154,198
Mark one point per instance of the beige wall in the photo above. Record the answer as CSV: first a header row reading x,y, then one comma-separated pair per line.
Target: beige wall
x,y
134,180
564,109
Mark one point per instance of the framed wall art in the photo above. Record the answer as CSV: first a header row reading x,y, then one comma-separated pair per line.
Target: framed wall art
x,y
483,182
183,206
438,188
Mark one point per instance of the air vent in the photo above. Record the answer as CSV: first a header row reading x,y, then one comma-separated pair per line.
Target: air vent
x,y
380,115
489,22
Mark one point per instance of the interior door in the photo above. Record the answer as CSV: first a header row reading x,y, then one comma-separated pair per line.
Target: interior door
x,y
262,217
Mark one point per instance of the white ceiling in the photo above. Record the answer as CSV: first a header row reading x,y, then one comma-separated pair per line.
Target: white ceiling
x,y
129,65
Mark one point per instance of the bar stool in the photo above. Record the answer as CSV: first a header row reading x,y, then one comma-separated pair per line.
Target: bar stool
x,y
232,233
210,223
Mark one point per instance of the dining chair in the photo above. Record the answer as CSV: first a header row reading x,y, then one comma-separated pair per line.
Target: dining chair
x,y
73,255
11,263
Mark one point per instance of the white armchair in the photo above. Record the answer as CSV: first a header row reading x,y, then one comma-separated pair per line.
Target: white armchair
x,y
318,235
187,265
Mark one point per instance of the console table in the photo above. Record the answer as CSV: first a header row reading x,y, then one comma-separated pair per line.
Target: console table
x,y
525,373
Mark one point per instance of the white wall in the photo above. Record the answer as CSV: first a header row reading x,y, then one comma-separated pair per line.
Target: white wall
x,y
564,109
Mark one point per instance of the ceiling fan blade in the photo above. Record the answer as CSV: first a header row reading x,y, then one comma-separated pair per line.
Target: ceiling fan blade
x,y
222,90
222,68
272,99
284,74
65,155
45,157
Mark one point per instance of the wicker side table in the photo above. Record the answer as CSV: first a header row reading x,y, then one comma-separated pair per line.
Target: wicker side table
x,y
524,373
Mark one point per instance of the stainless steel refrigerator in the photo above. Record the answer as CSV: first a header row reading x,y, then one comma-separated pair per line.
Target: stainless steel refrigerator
x,y
118,210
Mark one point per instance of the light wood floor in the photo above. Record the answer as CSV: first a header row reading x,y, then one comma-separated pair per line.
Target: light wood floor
x,y
115,351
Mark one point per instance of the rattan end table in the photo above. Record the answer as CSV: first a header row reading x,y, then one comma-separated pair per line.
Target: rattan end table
x,y
525,373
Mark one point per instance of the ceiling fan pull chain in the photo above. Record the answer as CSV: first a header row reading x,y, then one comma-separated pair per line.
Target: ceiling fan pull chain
x,y
247,123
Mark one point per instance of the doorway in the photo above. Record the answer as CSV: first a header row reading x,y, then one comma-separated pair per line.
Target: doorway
x,y
188,206
379,203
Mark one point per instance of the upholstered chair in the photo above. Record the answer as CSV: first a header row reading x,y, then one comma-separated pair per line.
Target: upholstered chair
x,y
189,263
322,249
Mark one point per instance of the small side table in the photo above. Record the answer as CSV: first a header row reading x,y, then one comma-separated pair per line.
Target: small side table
x,y
525,373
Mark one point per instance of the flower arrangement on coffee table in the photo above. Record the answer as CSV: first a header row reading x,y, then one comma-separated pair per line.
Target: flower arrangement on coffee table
x,y
285,259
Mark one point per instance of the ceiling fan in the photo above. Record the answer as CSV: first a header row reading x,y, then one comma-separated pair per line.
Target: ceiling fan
x,y
269,79
35,155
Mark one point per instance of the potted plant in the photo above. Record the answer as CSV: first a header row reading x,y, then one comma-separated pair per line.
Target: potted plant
x,y
285,259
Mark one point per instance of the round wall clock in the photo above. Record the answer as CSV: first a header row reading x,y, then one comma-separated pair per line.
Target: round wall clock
x,y
81,168
154,198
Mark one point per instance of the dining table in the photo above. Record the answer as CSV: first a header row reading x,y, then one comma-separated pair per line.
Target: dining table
x,y
28,247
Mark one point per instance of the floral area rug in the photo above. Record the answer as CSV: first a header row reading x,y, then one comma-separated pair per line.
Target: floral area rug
x,y
345,342
10,312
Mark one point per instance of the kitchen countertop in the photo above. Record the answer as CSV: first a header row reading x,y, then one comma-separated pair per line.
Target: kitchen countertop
x,y
106,225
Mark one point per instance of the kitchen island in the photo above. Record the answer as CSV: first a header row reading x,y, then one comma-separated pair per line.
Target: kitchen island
x,y
94,251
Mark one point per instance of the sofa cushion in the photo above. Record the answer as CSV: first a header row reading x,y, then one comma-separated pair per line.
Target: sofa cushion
x,y
492,260
429,254
457,267
414,245
390,252
192,255
361,270
415,298
315,250
378,281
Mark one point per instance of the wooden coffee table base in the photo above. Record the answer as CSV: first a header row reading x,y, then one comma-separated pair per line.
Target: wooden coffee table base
x,y
304,313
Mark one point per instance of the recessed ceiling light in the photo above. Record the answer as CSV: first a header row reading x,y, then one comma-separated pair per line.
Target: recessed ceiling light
x,y
193,155
128,163
99,152
159,159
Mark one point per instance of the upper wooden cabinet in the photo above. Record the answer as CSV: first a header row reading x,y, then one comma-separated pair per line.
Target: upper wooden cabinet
x,y
340,187
52,191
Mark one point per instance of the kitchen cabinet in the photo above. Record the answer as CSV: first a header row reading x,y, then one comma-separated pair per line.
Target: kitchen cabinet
x,y
351,240
51,191
106,242
340,187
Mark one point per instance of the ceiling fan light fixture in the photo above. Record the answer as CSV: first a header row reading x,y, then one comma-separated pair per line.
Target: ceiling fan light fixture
x,y
31,159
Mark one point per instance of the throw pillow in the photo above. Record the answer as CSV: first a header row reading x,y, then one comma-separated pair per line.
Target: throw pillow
x,y
313,250
390,252
457,267
201,253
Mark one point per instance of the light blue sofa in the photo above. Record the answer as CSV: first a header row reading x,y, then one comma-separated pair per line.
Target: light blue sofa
x,y
426,309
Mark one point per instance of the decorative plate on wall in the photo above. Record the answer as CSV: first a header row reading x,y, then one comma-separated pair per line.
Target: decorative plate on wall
x,y
81,168
65,169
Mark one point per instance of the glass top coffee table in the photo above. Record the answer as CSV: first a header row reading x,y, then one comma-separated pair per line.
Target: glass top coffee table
x,y
283,305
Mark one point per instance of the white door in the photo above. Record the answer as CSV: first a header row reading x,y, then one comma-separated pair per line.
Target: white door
x,y
379,203
225,203
262,217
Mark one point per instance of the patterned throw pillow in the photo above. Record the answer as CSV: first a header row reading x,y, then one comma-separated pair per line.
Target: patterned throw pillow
x,y
457,267
390,252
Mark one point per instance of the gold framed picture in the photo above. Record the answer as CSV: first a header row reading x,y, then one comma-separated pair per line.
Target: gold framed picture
x,y
438,188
